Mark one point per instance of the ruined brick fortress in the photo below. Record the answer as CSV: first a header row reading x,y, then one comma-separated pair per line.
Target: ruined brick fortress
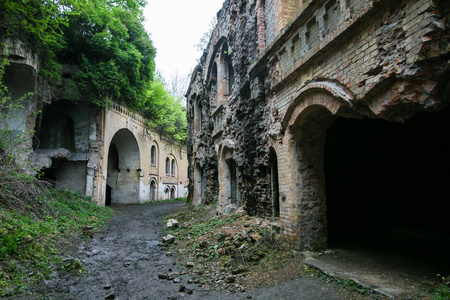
x,y
329,114
109,154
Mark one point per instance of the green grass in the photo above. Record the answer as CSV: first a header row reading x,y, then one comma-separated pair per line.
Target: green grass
x,y
30,245
347,284
442,292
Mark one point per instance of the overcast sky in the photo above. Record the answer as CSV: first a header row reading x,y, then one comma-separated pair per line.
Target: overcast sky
x,y
175,27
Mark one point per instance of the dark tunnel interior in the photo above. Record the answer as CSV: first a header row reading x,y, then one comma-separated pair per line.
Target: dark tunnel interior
x,y
386,184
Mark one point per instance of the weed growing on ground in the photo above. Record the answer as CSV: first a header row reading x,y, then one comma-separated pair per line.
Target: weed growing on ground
x,y
346,284
442,291
36,221
30,245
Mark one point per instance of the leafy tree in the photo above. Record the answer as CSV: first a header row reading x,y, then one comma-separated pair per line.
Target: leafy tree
x,y
116,55
105,38
166,113
107,42
204,40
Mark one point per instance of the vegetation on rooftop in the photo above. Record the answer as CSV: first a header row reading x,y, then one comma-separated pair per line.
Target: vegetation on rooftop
x,y
112,53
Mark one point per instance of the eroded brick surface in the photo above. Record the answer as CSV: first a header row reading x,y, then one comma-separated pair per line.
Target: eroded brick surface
x,y
276,74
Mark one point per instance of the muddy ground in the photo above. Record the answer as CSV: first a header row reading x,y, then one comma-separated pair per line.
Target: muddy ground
x,y
124,261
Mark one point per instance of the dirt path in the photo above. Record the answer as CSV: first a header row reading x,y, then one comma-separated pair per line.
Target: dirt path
x,y
124,261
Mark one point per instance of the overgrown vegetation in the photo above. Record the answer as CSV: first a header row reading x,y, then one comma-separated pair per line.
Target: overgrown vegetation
x,y
111,55
165,112
32,238
442,291
36,221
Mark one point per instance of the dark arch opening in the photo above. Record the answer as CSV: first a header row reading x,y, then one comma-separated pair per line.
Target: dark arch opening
x,y
153,191
153,156
172,193
123,168
55,129
386,184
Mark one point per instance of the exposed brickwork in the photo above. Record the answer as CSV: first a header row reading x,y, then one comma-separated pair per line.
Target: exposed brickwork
x,y
323,60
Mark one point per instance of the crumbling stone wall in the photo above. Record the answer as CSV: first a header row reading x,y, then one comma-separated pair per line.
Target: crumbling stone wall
x,y
320,60
69,142
236,125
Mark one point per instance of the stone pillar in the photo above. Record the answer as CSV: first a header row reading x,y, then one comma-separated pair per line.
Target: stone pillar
x,y
261,25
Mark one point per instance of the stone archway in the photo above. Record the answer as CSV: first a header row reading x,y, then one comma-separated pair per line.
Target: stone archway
x,y
229,193
351,177
153,190
199,184
124,155
173,193
307,139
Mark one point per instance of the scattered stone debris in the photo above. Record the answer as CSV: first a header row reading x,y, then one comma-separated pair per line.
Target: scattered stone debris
x,y
111,295
168,239
107,286
172,223
89,231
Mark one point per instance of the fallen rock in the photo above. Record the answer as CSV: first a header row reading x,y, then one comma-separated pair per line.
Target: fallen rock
x,y
107,286
255,237
189,291
111,295
172,223
168,239
88,230
189,264
162,276
177,280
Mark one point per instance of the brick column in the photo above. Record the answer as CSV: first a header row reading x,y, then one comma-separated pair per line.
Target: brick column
x,y
261,24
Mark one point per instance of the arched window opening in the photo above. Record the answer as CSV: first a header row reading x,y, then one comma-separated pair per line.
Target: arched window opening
x,y
230,77
54,129
199,117
167,193
153,156
172,169
167,166
214,86
233,192
227,80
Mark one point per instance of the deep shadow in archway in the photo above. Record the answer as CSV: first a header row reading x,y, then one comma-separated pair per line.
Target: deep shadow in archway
x,y
386,185
123,168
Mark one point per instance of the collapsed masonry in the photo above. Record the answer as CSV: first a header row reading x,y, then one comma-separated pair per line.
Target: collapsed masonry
x,y
331,115
108,154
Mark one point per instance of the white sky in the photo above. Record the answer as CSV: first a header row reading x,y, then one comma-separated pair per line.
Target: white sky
x,y
175,26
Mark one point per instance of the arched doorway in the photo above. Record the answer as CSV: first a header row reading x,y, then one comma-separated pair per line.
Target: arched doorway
x,y
386,184
153,190
123,168
167,193
199,185
229,194
307,138
173,193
